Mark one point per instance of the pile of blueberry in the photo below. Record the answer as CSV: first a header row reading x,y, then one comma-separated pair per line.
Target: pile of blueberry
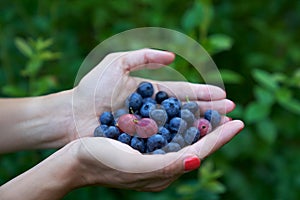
x,y
157,123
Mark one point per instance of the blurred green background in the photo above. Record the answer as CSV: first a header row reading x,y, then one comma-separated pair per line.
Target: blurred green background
x,y
255,45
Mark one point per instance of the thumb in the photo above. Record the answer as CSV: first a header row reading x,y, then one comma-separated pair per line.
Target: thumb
x,y
145,58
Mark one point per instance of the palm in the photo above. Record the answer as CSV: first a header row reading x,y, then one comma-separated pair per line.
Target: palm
x,y
108,85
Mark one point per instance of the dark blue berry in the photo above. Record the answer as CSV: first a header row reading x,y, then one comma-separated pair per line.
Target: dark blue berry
x,y
160,116
146,108
145,89
161,96
192,135
171,106
135,102
177,125
178,138
165,133
120,112
149,99
193,107
106,118
112,132
124,138
187,116
172,147
99,131
158,151
155,142
213,117
167,125
177,101
138,144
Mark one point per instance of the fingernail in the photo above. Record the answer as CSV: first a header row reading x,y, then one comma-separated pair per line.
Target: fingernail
x,y
230,119
191,163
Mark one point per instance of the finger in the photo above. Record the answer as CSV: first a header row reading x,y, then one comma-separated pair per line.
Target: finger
x,y
186,91
216,139
222,106
225,119
126,159
191,91
145,58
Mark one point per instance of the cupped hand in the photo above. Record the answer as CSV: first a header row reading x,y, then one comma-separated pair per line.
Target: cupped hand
x,y
111,163
106,87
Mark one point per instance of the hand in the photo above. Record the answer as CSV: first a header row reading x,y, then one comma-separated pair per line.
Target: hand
x,y
111,163
106,87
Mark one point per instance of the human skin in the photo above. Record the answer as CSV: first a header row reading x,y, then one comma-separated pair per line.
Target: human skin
x,y
67,119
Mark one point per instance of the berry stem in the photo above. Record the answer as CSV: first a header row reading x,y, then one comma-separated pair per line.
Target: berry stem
x,y
187,98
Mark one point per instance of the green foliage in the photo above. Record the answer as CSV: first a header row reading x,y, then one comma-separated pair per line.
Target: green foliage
x,y
206,187
37,53
254,44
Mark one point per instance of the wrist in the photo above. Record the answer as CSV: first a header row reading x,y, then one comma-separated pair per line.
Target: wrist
x,y
72,173
57,114
36,122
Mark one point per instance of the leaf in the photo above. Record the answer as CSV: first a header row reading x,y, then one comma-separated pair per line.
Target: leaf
x,y
23,47
230,76
32,67
267,131
284,95
42,44
216,187
43,85
192,17
264,96
265,79
219,42
285,99
48,55
13,91
255,112
225,75
186,189
200,15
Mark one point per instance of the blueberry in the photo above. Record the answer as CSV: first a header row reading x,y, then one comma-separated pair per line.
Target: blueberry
x,y
192,135
149,99
177,125
158,151
171,106
155,142
172,147
193,107
187,116
106,118
138,144
124,138
145,89
178,138
213,117
167,125
99,131
120,112
160,116
165,133
161,96
177,101
135,102
146,108
112,132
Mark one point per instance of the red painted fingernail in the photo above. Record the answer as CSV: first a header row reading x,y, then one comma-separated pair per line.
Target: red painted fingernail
x,y
191,163
230,119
